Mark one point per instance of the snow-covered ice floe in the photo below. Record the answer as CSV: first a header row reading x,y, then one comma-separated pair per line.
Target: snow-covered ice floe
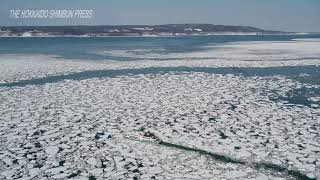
x,y
162,125
244,51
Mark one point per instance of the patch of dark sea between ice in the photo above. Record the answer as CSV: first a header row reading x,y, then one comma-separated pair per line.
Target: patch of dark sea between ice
x,y
304,74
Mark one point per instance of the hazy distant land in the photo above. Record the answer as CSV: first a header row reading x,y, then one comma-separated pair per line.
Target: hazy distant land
x,y
134,30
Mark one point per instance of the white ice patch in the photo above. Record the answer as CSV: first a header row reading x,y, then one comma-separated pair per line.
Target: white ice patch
x,y
256,50
52,150
268,50
307,39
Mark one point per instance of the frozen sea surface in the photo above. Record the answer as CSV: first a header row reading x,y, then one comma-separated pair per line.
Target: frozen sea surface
x,y
231,110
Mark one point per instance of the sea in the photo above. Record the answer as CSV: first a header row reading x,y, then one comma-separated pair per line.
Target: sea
x,y
157,49
174,107
86,47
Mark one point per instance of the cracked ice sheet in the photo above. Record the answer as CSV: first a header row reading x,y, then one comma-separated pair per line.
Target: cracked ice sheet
x,y
79,127
253,54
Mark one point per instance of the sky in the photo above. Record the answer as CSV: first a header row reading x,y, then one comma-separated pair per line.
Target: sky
x,y
285,15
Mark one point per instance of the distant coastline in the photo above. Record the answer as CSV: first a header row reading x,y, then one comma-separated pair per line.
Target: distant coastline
x,y
167,30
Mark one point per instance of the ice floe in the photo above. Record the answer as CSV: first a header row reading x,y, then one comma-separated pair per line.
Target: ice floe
x,y
111,128
162,125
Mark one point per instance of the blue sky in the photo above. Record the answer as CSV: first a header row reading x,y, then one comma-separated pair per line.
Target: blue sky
x,y
288,15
